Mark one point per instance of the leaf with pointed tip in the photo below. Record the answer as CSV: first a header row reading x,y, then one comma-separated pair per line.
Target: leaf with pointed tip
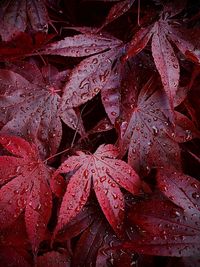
x,y
163,34
107,173
186,41
139,41
26,188
117,11
165,60
110,94
89,243
185,130
97,237
89,77
77,225
167,229
81,45
147,131
19,15
31,110
181,189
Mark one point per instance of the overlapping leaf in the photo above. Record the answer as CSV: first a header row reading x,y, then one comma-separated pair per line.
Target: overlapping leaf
x,y
168,230
81,45
30,107
181,189
117,11
107,174
99,72
146,129
163,34
17,16
25,188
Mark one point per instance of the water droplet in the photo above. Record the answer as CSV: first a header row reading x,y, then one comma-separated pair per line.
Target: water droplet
x,y
194,185
84,96
195,195
84,84
85,173
95,61
113,113
155,130
114,195
175,66
102,179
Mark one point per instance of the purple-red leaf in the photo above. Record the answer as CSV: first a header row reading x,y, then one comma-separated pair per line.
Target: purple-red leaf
x,y
107,174
31,109
146,128
81,45
90,77
18,15
181,189
167,229
117,11
165,60
25,189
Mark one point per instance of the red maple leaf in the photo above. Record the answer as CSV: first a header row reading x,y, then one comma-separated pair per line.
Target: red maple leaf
x,y
30,106
181,189
146,128
19,15
165,32
99,72
107,174
24,180
117,11
167,229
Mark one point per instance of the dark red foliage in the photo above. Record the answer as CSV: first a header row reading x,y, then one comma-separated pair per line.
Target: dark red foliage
x,y
99,133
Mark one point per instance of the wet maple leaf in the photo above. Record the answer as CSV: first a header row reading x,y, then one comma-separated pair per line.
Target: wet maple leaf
x,y
77,225
107,174
168,229
89,243
117,11
181,189
99,72
17,16
30,107
164,33
146,129
24,179
81,45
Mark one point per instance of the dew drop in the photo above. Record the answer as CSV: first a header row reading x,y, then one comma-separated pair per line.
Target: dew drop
x,y
195,195
155,130
102,179
95,61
